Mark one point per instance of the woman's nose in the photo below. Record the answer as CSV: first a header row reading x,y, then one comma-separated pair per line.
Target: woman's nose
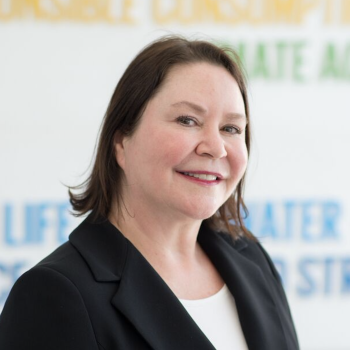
x,y
211,145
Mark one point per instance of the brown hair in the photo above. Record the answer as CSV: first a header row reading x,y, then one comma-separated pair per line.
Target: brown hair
x,y
140,82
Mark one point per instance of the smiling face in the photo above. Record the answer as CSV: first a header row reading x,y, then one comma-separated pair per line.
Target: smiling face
x,y
188,152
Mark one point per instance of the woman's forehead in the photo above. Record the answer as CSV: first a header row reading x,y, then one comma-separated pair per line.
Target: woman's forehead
x,y
195,78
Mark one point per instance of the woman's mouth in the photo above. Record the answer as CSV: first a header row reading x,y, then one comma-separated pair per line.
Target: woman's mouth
x,y
202,177
207,177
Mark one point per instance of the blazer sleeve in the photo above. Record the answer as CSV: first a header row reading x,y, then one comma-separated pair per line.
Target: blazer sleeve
x,y
282,300
276,275
45,311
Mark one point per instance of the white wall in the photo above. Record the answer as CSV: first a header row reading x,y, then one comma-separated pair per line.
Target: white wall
x,y
59,63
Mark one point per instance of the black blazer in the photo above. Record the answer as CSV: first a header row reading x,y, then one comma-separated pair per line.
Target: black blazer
x,y
97,292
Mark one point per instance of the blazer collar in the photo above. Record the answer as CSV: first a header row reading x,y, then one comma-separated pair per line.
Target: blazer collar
x,y
256,308
103,248
145,299
142,296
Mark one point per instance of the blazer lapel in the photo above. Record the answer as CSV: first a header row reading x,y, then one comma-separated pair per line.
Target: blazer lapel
x,y
257,311
145,299
142,296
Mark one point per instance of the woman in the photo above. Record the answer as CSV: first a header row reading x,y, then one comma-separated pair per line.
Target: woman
x,y
158,263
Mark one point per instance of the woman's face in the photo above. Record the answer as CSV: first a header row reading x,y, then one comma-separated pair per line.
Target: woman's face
x,y
188,152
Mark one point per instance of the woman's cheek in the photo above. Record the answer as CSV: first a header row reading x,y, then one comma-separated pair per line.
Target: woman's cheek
x,y
176,146
238,155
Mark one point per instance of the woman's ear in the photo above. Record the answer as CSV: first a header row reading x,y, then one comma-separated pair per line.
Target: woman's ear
x,y
119,149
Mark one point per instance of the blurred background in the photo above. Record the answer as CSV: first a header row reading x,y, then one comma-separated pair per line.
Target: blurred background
x,y
59,63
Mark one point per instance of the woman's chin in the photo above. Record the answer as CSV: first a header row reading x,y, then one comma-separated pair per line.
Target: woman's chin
x,y
199,211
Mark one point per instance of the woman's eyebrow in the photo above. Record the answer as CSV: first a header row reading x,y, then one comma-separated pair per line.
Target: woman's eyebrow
x,y
200,109
192,105
236,116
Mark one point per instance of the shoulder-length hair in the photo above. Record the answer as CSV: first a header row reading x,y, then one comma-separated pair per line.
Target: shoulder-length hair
x,y
142,79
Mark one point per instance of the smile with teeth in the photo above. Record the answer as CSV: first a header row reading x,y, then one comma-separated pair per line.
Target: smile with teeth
x,y
206,177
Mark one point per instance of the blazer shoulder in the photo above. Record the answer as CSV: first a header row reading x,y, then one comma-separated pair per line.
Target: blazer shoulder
x,y
240,243
254,251
45,310
61,256
67,261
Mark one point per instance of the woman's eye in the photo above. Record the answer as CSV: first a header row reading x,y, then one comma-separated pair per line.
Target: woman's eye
x,y
231,129
187,121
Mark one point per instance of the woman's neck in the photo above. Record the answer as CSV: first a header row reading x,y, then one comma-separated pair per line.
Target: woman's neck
x,y
172,250
156,234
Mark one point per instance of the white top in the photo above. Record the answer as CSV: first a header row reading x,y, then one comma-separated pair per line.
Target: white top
x,y
217,317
